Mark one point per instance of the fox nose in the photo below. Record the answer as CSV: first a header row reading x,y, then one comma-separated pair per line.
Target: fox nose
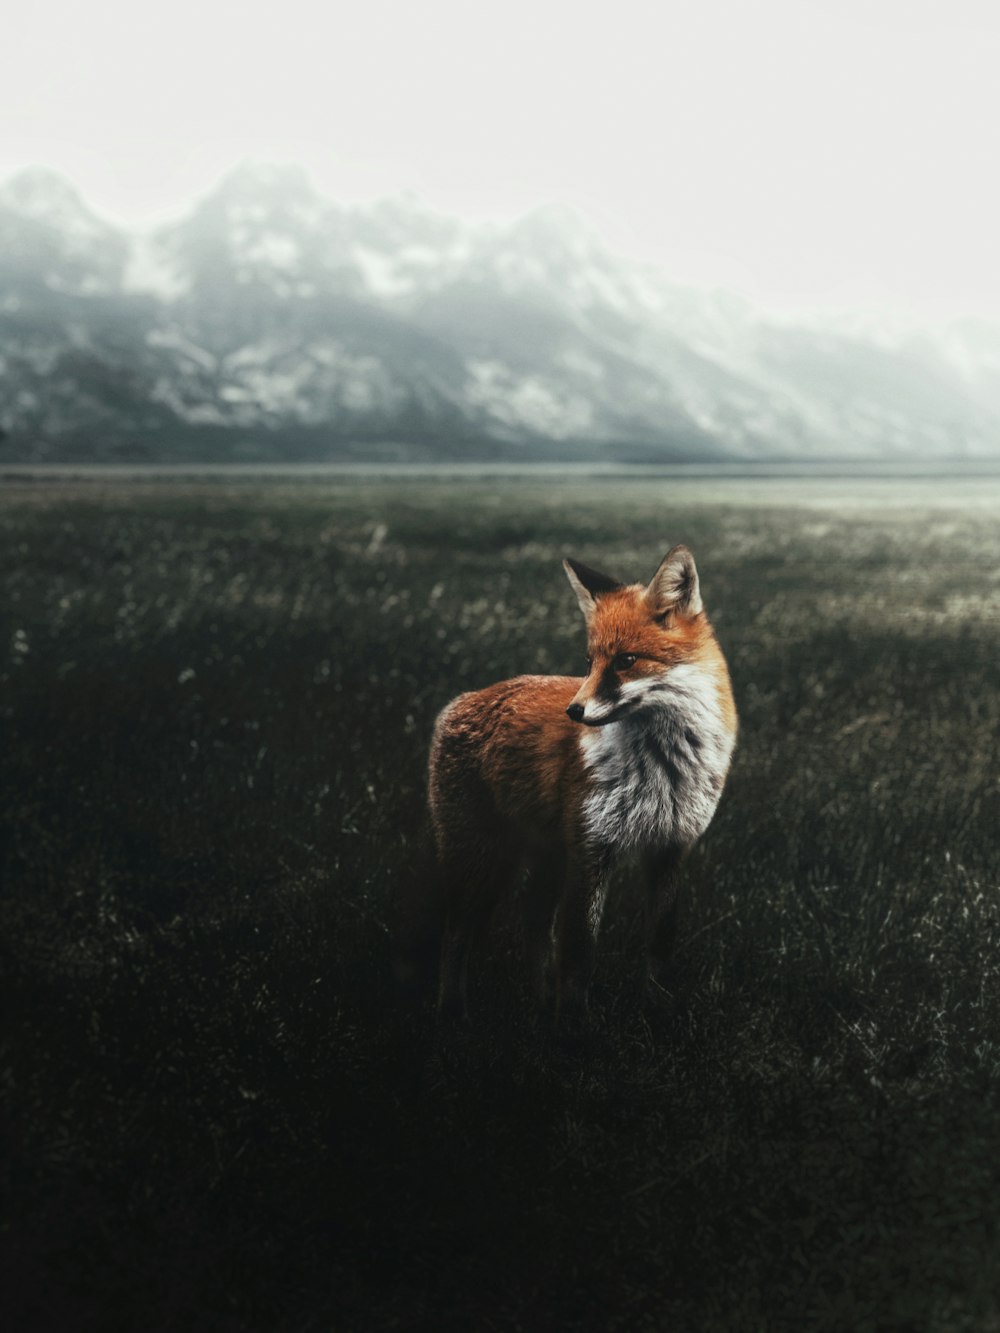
x,y
576,712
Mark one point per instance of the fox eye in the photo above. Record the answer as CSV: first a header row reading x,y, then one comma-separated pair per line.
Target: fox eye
x,y
624,661
590,663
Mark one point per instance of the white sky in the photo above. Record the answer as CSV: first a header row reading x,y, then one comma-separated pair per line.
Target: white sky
x,y
811,153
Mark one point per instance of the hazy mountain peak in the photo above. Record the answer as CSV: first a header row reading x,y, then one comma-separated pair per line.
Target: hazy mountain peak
x,y
49,238
263,194
557,222
264,229
45,198
269,310
252,178
39,192
405,217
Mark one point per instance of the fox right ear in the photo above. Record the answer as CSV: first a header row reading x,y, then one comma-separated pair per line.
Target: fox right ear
x,y
588,584
674,586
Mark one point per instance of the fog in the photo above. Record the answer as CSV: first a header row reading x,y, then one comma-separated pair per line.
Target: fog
x,y
806,157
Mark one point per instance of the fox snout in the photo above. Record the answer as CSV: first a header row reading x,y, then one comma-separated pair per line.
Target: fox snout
x,y
593,709
584,702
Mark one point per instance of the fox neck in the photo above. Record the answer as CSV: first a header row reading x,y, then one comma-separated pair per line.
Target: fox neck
x,y
658,772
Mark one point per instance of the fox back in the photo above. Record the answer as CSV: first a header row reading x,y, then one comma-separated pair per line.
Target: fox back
x,y
563,777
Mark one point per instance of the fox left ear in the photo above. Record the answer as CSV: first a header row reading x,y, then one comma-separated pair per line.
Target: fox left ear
x,y
588,584
674,586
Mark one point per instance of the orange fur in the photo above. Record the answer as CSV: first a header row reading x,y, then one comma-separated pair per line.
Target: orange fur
x,y
515,781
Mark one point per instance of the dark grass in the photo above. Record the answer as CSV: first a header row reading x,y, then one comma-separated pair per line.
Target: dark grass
x,y
215,704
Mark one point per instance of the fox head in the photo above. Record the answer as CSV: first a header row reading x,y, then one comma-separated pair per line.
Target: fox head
x,y
635,634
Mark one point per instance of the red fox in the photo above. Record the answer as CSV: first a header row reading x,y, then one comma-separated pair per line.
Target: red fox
x,y
564,777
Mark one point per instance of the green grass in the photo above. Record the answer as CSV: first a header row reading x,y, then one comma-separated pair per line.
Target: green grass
x,y
215,703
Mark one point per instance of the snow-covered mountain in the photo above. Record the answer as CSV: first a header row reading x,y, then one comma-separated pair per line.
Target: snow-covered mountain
x,y
271,323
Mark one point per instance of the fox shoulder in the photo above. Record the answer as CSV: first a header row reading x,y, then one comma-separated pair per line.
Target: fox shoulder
x,y
525,702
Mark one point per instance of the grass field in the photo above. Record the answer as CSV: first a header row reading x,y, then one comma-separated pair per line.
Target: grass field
x,y
215,702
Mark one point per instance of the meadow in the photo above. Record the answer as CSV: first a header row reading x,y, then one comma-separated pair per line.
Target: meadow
x,y
215,703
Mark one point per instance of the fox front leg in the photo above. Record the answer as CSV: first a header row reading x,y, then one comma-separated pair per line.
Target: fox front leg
x,y
539,903
663,910
578,921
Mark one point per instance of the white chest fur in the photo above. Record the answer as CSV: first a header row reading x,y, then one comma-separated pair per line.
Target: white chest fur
x,y
658,772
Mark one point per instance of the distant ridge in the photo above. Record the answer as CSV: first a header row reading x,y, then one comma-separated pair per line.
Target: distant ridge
x,y
272,324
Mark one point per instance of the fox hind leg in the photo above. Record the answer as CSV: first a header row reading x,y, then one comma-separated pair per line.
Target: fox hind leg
x,y
539,900
664,905
474,881
420,914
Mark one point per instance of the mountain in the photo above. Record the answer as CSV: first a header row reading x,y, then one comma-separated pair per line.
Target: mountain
x,y
271,323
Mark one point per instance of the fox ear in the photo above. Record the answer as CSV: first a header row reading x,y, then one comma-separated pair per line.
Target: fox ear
x,y
674,586
588,584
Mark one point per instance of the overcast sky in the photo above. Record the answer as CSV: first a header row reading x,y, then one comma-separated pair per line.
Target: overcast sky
x,y
810,154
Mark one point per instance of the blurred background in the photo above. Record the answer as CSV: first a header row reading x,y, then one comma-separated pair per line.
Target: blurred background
x,y
654,232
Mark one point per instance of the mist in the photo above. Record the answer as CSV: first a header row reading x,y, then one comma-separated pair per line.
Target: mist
x,y
807,158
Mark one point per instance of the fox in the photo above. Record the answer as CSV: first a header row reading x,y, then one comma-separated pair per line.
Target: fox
x,y
565,778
